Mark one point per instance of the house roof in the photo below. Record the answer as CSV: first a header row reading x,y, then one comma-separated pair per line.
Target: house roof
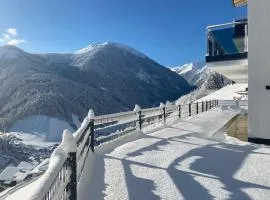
x,y
26,165
8,173
16,173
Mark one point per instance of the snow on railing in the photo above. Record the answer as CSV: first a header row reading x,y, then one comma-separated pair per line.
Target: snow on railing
x,y
66,165
58,180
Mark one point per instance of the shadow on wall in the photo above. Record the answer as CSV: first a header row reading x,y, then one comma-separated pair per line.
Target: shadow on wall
x,y
218,161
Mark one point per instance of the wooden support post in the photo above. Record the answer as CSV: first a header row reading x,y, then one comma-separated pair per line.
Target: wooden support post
x,y
72,186
140,119
179,111
197,108
164,114
202,106
92,134
189,109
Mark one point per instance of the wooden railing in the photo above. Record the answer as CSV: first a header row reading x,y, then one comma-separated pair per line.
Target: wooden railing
x,y
68,160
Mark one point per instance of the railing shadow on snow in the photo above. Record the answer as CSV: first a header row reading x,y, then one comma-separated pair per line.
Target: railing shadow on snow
x,y
67,162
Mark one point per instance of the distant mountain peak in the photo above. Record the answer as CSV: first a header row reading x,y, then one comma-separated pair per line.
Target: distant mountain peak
x,y
189,67
10,51
107,77
97,46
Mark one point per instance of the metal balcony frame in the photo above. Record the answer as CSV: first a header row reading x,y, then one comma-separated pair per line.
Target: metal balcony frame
x,y
215,56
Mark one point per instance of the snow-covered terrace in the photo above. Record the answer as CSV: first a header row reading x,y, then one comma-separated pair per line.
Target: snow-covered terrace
x,y
193,159
228,92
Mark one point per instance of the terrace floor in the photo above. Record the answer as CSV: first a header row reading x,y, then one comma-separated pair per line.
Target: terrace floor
x,y
192,159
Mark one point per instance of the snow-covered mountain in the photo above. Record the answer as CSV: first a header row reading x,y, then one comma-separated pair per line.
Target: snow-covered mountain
x,y
45,93
200,75
195,73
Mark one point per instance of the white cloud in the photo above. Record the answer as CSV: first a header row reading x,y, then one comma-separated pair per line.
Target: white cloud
x,y
6,37
12,31
9,37
15,42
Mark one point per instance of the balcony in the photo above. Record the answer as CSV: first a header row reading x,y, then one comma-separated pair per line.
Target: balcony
x,y
227,49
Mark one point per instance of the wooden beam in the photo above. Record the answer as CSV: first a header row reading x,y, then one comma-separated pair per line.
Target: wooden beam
x,y
238,3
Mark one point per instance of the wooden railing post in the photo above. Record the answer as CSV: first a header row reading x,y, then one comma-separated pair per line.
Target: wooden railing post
x,y
197,107
164,114
92,135
163,108
206,106
72,186
202,106
137,109
91,117
189,109
179,111
140,119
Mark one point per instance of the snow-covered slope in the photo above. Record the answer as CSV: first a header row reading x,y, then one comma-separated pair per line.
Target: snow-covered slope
x,y
42,125
36,141
200,75
107,77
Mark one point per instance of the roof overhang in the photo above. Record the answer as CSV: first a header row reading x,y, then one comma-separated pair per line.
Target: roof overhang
x,y
238,3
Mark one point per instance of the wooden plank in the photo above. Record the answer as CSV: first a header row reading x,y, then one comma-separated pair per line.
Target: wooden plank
x,y
238,3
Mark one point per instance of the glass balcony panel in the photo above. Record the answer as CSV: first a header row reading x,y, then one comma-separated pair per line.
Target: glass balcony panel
x,y
227,41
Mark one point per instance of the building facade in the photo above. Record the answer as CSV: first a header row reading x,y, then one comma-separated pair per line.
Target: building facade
x,y
241,51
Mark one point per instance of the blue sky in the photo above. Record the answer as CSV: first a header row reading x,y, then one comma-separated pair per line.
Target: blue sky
x,y
171,32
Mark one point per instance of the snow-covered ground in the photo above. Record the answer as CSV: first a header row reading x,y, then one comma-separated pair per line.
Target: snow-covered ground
x,y
228,92
47,127
192,159
37,141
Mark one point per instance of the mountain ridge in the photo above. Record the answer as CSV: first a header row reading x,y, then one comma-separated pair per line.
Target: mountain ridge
x,y
206,80
109,79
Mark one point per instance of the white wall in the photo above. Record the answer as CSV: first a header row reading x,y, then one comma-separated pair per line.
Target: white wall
x,y
259,68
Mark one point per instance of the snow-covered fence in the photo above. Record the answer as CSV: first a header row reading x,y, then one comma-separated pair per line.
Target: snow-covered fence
x,y
59,180
67,161
233,102
109,127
